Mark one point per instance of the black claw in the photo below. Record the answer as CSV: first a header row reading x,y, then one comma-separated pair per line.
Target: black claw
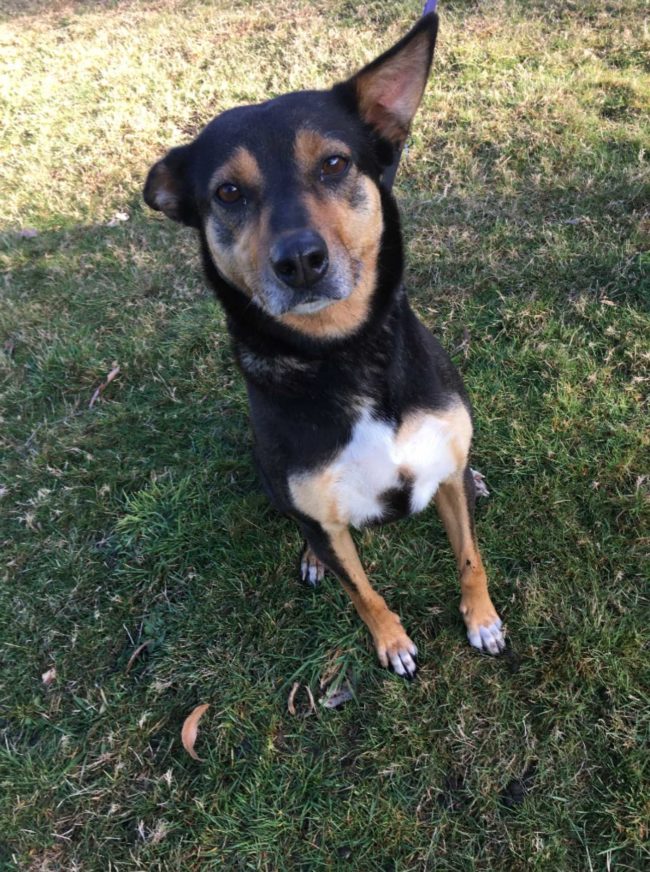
x,y
407,674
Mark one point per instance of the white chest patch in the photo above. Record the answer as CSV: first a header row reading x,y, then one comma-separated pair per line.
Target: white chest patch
x,y
425,450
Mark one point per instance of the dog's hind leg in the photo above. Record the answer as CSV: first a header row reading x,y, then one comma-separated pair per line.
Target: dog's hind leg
x,y
334,546
455,503
312,570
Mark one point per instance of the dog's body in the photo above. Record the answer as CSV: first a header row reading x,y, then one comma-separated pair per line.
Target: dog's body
x,y
358,413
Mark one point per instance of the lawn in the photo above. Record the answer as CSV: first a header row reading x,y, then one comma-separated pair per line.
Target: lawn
x,y
137,518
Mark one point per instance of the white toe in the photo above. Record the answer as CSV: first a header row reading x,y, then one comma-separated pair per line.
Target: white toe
x,y
408,662
490,639
396,663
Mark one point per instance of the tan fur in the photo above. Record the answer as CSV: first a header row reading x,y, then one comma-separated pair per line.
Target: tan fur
x,y
240,262
357,234
475,604
457,419
311,148
389,95
164,187
312,494
241,168
385,626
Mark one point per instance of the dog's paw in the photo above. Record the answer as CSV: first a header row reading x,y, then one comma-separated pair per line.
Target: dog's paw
x,y
395,649
312,571
491,638
484,626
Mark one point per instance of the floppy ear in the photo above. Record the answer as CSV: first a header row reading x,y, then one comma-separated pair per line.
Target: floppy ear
x,y
167,189
388,91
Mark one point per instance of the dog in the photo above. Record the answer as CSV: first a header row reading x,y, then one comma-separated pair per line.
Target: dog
x,y
358,414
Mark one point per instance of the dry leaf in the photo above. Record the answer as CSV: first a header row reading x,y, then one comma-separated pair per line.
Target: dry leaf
x,y
191,728
109,378
290,706
137,653
117,219
292,696
48,677
332,670
338,697
479,483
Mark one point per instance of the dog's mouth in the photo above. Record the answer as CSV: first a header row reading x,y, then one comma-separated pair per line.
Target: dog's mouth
x,y
314,304
278,299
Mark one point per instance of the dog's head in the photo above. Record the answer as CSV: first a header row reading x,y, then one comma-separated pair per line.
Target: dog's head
x,y
287,194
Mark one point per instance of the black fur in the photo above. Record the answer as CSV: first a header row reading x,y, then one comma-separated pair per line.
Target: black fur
x,y
317,165
304,391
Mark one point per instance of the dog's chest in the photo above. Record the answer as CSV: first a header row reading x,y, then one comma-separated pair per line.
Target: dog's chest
x,y
384,466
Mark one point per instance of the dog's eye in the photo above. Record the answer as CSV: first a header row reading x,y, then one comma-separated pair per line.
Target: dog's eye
x,y
228,193
335,165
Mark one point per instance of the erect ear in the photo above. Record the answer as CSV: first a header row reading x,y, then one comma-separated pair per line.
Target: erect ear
x,y
389,90
167,188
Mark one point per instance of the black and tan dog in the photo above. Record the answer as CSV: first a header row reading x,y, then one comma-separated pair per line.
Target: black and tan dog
x,y
359,416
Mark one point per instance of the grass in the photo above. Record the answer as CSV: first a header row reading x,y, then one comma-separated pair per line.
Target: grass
x,y
525,196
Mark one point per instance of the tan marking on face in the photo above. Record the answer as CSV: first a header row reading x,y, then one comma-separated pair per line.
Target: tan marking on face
x,y
311,147
241,168
239,261
353,233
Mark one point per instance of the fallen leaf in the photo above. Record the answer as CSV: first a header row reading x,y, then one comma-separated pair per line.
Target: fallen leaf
x,y
159,833
338,696
191,728
294,690
109,378
49,677
118,218
332,670
137,653
479,483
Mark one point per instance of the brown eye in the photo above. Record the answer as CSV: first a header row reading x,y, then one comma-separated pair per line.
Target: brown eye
x,y
335,165
228,193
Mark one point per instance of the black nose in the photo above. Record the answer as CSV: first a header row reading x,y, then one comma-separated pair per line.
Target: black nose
x,y
300,258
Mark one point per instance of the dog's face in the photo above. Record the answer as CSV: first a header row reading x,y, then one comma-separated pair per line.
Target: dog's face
x,y
286,193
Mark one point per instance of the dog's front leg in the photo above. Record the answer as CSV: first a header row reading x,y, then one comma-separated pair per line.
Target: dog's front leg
x,y
334,546
455,503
